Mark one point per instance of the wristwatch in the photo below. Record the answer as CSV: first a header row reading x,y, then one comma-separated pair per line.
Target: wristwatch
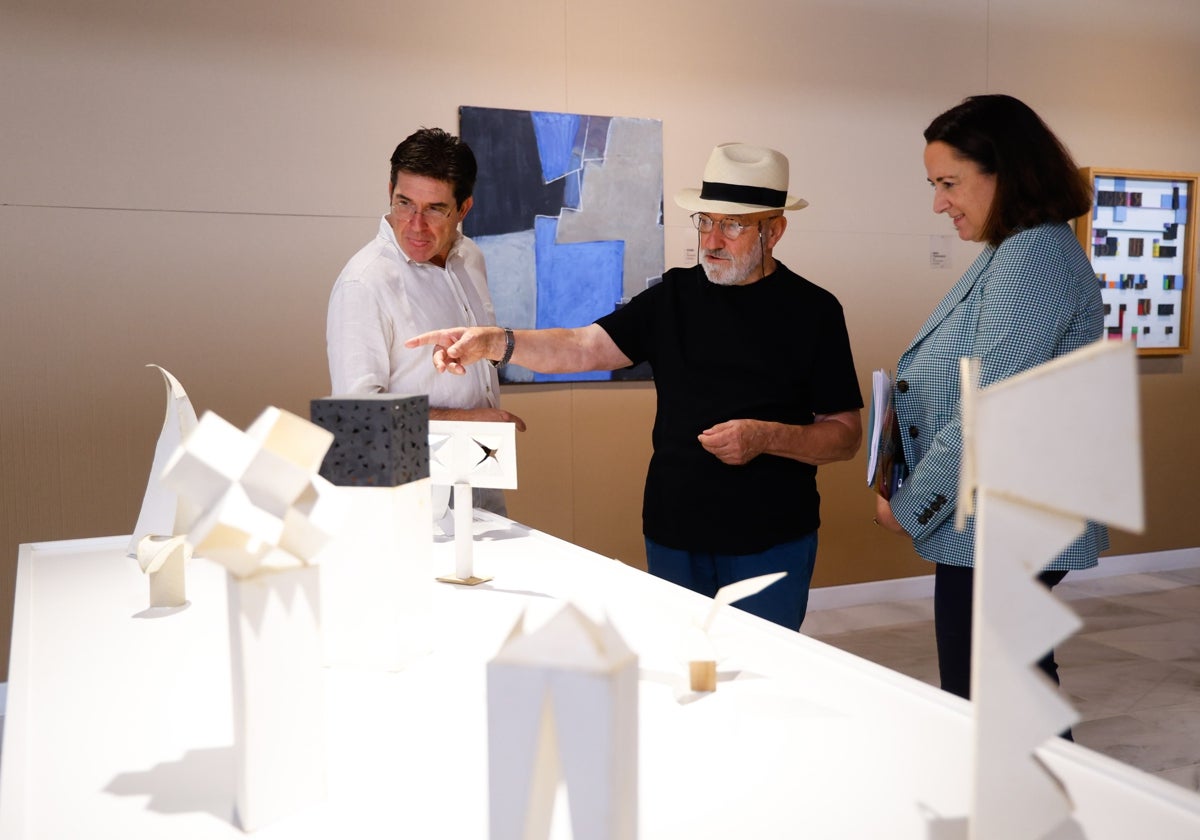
x,y
509,343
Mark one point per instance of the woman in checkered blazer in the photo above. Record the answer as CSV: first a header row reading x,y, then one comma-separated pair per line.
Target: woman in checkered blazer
x,y
1005,180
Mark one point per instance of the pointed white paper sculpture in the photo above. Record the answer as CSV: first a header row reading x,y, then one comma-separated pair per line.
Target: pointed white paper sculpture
x,y
465,455
265,514
163,560
1043,452
163,513
562,706
699,650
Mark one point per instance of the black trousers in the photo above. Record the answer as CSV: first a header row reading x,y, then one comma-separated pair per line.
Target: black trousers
x,y
953,588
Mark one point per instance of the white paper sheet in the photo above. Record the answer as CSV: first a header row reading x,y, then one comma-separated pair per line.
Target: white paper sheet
x,y
163,512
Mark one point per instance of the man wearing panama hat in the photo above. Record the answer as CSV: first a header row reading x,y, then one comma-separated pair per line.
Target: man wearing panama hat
x,y
756,387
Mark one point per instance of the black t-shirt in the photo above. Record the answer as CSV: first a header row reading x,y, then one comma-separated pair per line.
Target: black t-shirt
x,y
776,349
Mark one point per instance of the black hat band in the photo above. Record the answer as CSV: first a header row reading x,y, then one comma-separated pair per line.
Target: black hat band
x,y
741,194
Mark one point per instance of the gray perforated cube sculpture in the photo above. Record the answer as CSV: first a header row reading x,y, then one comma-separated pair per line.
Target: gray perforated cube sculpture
x,y
379,440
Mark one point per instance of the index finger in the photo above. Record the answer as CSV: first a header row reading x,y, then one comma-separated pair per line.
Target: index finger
x,y
442,337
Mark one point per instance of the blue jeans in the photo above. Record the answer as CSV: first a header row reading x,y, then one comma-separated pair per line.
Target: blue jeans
x,y
784,602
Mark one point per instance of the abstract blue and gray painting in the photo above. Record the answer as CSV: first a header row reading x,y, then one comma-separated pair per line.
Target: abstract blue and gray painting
x,y
568,212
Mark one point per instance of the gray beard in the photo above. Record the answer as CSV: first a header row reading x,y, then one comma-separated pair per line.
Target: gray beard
x,y
737,271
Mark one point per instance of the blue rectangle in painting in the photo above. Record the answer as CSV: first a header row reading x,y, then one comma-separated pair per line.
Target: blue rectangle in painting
x,y
577,282
556,135
583,376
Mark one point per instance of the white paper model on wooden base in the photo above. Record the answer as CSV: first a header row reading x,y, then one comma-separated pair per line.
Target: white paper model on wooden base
x,y
699,650
562,707
163,513
163,560
465,455
1043,452
265,514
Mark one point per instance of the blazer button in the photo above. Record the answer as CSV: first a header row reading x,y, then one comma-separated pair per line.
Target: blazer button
x,y
902,386
936,505
922,519
913,431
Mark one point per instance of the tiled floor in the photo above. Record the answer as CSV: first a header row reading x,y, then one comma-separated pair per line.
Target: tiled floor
x,y
1132,672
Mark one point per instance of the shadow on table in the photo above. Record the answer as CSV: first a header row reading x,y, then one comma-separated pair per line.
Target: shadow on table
x,y
677,681
488,531
489,587
162,612
200,781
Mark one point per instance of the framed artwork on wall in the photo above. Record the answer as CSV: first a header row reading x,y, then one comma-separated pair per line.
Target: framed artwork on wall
x,y
1141,239
568,214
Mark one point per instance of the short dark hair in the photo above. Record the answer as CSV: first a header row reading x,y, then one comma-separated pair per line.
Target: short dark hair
x,y
435,153
1037,181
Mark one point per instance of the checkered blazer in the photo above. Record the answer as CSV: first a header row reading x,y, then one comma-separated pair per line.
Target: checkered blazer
x,y
1032,299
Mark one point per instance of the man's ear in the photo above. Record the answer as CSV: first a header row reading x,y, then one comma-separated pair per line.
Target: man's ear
x,y
778,226
465,207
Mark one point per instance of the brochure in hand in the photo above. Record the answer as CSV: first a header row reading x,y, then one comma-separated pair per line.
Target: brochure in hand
x,y
886,470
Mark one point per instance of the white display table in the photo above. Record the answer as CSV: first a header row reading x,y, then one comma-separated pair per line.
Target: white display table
x,y
120,726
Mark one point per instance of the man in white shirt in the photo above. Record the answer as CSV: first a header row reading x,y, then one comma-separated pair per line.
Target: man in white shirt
x,y
418,274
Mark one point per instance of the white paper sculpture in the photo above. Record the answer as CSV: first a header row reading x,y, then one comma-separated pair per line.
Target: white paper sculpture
x,y
465,455
700,652
377,577
265,514
163,560
562,707
1043,452
163,513
377,573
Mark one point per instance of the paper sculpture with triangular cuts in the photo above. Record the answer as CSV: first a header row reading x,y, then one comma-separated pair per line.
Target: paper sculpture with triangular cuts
x,y
465,455
265,514
562,707
1042,453
163,512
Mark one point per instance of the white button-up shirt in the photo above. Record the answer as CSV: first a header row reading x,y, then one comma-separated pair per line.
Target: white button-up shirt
x,y
382,298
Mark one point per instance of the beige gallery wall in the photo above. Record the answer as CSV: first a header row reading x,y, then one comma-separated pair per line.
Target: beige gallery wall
x,y
180,184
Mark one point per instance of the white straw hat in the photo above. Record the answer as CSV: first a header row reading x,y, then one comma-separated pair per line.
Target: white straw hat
x,y
742,179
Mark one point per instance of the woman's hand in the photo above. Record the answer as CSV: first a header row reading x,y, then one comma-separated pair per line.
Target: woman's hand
x,y
884,518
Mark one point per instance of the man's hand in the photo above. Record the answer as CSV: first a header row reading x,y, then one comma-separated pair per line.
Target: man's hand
x,y
735,442
457,347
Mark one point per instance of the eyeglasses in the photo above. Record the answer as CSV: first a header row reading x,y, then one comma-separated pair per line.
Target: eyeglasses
x,y
730,228
404,210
